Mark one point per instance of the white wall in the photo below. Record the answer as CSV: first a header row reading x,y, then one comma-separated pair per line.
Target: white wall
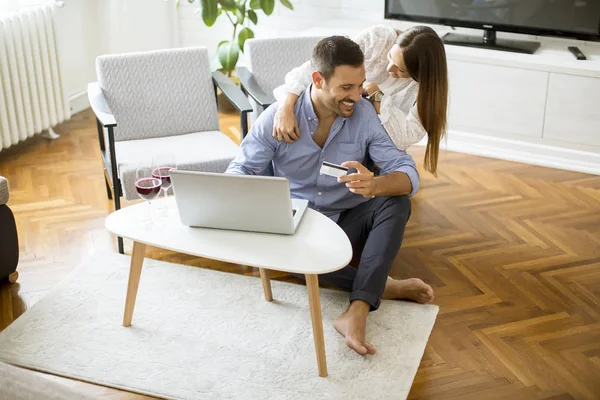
x,y
78,46
283,22
137,25
86,29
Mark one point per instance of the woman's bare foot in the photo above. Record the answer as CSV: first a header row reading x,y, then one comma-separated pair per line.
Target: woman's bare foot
x,y
352,325
411,289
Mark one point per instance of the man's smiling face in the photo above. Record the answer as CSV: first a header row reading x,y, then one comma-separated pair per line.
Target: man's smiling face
x,y
343,89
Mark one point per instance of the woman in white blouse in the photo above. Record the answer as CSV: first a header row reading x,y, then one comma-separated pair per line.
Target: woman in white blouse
x,y
406,80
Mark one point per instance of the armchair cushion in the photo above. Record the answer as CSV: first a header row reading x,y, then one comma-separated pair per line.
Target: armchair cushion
x,y
201,151
158,93
3,190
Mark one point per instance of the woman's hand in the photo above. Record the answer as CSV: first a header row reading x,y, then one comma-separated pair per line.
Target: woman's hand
x,y
369,88
285,125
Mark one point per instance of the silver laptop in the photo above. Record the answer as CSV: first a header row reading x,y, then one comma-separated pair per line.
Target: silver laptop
x,y
236,202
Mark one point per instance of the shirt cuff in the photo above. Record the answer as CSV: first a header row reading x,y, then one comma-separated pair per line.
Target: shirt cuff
x,y
296,88
234,169
413,175
280,92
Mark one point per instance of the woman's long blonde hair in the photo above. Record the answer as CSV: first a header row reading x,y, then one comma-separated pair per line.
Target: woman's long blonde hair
x,y
425,60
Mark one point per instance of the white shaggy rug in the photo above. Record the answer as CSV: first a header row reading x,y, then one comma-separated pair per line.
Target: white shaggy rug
x,y
199,333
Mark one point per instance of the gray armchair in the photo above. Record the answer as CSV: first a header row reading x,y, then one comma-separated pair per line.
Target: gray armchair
x,y
9,241
268,61
155,101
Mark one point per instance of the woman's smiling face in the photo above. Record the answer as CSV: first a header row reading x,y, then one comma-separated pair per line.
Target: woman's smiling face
x,y
396,67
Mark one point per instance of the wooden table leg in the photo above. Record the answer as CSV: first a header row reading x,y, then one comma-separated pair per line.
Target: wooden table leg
x,y
266,282
135,270
314,300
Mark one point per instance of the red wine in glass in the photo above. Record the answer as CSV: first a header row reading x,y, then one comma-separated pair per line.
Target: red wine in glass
x,y
162,173
148,188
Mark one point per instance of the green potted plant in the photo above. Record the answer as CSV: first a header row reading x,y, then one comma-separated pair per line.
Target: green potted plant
x,y
240,13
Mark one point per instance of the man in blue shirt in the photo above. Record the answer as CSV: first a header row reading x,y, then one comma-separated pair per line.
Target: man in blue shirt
x,y
339,126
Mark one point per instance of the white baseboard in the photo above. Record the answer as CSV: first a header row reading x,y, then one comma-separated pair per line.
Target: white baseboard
x,y
524,152
79,102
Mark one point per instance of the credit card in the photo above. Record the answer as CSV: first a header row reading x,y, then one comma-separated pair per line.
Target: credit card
x,y
334,170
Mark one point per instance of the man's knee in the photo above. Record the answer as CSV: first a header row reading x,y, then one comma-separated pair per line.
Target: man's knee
x,y
398,207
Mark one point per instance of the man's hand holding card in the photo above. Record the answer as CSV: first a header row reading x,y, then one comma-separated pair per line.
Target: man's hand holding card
x,y
361,182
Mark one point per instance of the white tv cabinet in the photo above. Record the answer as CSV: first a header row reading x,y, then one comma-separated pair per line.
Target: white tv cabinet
x,y
541,108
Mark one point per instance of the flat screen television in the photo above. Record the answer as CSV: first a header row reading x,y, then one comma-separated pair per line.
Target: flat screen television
x,y
578,19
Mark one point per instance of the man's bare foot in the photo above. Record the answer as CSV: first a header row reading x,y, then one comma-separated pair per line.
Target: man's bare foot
x,y
411,289
352,325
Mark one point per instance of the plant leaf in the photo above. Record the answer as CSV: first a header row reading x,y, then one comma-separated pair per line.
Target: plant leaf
x,y
229,53
244,35
267,6
240,16
253,17
287,4
240,13
228,5
210,11
255,4
191,1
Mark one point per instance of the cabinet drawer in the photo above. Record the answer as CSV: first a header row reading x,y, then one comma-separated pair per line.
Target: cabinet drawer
x,y
573,109
503,101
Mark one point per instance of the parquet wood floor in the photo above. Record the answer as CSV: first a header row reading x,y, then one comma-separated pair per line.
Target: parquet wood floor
x,y
512,251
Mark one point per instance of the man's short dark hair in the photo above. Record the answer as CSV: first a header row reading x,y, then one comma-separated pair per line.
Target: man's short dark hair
x,y
334,51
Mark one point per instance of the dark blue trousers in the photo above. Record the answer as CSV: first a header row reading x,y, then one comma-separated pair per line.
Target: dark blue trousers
x,y
375,229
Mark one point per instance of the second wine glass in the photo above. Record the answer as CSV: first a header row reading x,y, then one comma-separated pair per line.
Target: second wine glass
x,y
163,163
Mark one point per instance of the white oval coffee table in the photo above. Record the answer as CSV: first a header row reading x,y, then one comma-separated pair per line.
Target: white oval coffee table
x,y
319,246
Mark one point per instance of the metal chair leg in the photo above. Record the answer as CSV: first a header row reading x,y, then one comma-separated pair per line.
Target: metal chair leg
x,y
108,191
117,199
116,192
244,124
120,245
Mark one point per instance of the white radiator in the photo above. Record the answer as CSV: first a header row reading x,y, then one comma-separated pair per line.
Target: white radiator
x,y
32,98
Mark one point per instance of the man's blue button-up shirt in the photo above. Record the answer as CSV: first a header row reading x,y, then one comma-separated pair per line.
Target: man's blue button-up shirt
x,y
350,139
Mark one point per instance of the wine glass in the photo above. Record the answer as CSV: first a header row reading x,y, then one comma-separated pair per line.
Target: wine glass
x,y
163,163
147,187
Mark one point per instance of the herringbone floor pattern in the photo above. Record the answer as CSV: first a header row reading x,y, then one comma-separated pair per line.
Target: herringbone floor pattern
x,y
512,251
